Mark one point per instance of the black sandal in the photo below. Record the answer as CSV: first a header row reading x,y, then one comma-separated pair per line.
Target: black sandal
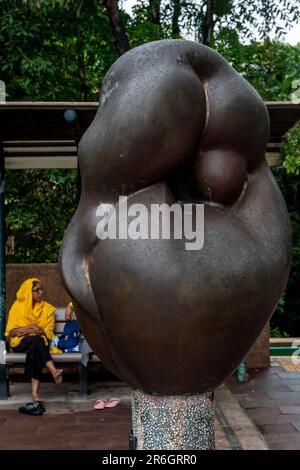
x,y
33,408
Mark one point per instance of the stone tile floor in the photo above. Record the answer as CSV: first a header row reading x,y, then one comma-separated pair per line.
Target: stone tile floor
x,y
271,398
265,410
71,423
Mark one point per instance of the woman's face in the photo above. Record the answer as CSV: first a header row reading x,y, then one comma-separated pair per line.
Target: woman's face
x,y
37,292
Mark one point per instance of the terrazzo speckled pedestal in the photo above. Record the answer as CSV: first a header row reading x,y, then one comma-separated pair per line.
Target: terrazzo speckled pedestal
x,y
173,422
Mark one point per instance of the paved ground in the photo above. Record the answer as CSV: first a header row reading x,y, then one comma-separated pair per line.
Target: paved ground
x,y
70,421
271,398
264,412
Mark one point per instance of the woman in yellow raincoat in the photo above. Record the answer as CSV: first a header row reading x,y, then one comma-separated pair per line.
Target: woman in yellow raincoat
x,y
30,329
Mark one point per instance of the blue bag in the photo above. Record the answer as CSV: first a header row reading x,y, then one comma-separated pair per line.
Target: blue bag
x,y
70,336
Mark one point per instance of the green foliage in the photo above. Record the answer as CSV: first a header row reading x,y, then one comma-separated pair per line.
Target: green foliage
x,y
44,43
257,19
250,20
286,317
270,66
292,150
41,47
141,29
277,333
39,206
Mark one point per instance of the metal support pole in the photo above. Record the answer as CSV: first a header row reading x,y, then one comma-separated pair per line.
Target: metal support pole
x,y
71,117
2,246
4,383
83,379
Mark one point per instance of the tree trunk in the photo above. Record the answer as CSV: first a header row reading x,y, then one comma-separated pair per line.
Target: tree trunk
x,y
80,65
154,6
80,56
208,26
117,27
266,14
175,17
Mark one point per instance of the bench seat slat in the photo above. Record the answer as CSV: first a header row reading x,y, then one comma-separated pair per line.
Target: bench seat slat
x,y
19,358
59,327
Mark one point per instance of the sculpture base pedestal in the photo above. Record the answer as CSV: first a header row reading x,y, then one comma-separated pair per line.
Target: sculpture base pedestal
x,y
173,422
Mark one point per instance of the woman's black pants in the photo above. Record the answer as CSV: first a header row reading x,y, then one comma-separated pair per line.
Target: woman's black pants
x,y
37,354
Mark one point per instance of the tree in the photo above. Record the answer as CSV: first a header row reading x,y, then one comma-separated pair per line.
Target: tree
x,y
292,151
176,5
270,66
116,24
205,19
208,23
251,20
56,51
154,7
39,206
286,318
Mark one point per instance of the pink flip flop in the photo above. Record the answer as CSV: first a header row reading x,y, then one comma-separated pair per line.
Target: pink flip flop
x,y
100,405
112,402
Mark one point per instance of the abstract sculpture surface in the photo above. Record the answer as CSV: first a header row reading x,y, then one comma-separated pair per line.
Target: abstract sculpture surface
x,y
176,123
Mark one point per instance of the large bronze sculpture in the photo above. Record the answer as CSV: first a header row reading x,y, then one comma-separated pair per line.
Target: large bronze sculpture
x,y
177,123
